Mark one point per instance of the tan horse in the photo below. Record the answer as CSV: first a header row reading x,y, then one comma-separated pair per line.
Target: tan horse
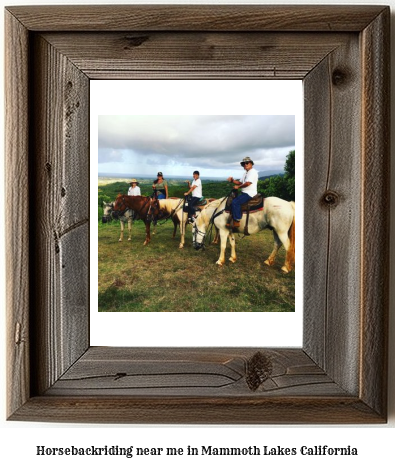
x,y
174,209
277,215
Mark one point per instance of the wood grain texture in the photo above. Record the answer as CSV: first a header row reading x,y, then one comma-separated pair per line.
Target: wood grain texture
x,y
196,54
17,230
339,376
196,18
332,229
60,248
188,372
375,207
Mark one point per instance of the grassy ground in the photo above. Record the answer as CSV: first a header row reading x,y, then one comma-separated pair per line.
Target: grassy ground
x,y
160,277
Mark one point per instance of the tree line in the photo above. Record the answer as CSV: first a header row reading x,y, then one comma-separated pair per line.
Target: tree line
x,y
282,186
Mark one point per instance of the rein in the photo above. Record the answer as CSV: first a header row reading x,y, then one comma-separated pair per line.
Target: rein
x,y
210,224
172,212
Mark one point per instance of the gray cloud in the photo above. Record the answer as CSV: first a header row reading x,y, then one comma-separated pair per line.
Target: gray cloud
x,y
204,141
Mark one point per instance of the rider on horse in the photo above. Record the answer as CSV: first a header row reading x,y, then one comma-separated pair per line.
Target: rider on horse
x,y
196,189
134,190
249,188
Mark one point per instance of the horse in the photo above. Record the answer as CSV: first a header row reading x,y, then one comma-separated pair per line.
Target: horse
x,y
170,206
146,207
108,207
277,215
174,208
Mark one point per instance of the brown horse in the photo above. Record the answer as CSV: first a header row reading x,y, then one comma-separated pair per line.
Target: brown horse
x,y
146,207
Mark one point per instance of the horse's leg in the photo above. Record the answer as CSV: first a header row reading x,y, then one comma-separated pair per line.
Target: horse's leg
x,y
290,256
224,237
217,237
122,229
183,224
283,236
276,247
232,241
175,223
130,229
147,233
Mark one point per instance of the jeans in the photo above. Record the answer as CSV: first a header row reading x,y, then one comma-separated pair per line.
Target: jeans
x,y
191,205
161,196
236,205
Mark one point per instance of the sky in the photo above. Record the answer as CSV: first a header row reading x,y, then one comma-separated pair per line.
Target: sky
x,y
179,144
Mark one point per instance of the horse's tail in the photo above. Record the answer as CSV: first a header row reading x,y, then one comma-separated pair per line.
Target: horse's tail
x,y
291,235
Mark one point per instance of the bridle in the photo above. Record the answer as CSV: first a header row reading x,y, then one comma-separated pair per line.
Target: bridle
x,y
209,230
108,217
151,217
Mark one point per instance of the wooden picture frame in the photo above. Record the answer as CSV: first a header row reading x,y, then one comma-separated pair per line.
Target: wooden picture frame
x,y
340,374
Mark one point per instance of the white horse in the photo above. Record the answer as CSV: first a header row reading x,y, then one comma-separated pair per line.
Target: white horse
x,y
174,208
108,207
277,215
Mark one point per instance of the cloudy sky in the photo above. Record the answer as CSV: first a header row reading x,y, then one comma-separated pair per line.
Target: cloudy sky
x,y
178,145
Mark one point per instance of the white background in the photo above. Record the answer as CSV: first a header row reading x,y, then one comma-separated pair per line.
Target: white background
x,y
18,441
196,97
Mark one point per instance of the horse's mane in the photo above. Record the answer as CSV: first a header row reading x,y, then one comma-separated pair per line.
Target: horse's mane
x,y
207,211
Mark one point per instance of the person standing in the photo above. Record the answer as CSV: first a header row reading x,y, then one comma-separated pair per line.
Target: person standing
x,y
134,190
160,187
196,192
249,188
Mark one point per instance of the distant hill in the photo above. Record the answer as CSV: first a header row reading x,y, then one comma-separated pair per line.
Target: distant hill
x,y
263,175
123,177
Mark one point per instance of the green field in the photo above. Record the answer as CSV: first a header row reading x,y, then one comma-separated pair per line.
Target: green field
x,y
161,277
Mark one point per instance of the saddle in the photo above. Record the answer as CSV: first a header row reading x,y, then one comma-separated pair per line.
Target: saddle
x,y
198,206
253,205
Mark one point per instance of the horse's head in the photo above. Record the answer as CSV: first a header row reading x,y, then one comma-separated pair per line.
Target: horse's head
x,y
155,211
198,233
119,207
108,208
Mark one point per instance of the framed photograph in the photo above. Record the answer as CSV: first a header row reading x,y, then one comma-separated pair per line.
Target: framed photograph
x,y
339,375
171,282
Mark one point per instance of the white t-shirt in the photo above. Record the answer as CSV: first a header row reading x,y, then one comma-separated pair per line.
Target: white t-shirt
x,y
252,177
134,191
197,192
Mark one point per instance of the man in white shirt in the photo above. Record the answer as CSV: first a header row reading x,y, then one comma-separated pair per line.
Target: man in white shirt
x,y
196,191
249,188
134,190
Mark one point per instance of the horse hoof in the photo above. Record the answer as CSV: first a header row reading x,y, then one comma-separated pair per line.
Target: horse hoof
x,y
119,240
220,263
181,246
232,260
129,239
269,262
285,270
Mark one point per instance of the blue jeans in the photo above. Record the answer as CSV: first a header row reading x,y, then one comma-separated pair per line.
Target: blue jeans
x,y
236,205
161,196
191,205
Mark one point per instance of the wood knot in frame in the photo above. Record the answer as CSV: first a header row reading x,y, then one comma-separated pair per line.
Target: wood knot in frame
x,y
340,77
259,369
330,199
133,42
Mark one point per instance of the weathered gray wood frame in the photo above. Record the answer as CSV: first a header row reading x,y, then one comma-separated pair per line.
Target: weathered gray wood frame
x,y
340,374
